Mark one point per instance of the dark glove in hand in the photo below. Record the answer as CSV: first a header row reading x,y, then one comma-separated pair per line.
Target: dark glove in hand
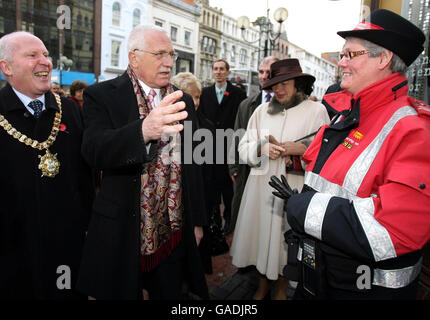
x,y
284,190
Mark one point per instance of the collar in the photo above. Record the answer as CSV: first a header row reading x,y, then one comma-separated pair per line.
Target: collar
x,y
26,100
372,97
146,88
275,106
263,95
222,89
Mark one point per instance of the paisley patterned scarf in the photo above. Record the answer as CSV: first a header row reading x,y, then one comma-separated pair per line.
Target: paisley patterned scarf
x,y
161,205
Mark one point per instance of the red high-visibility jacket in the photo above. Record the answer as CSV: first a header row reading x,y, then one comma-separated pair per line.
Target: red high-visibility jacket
x,y
370,173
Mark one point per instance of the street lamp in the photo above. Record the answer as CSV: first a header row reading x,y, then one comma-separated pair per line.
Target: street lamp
x,y
64,63
267,35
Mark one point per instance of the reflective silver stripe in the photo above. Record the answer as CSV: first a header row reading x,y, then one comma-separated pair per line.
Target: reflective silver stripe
x,y
315,214
378,237
320,184
361,165
398,278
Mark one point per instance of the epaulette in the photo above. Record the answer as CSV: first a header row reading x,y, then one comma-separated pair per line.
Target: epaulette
x,y
420,106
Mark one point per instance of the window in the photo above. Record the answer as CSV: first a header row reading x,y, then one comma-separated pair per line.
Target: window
x,y
114,57
242,56
173,33
116,14
136,17
233,53
187,38
224,50
159,23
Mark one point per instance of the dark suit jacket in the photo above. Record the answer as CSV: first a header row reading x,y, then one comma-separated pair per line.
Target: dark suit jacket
x,y
113,142
222,115
42,220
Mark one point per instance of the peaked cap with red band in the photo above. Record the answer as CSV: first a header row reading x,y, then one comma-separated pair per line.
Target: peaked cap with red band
x,y
391,31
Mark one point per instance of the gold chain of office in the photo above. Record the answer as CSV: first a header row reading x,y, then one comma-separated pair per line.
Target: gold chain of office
x,y
49,164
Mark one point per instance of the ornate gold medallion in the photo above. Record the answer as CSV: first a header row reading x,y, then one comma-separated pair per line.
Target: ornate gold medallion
x,y
49,164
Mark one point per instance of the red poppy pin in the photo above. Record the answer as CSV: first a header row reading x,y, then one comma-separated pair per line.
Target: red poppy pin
x,y
226,93
63,127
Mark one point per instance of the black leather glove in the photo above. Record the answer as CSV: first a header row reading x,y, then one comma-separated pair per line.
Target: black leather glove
x,y
284,190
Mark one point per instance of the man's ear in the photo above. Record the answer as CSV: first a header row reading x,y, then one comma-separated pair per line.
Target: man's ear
x,y
6,68
132,58
385,59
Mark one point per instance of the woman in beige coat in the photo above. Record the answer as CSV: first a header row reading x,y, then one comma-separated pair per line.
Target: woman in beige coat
x,y
269,146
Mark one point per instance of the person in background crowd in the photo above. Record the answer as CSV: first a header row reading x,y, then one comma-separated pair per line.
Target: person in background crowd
x,y
239,172
77,92
276,137
56,88
46,190
188,83
142,232
219,104
364,210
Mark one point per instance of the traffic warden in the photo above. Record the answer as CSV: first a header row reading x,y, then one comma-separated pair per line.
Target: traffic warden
x,y
363,215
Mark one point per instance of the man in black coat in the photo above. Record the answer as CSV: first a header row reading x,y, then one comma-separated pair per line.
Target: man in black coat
x,y
45,189
141,232
219,103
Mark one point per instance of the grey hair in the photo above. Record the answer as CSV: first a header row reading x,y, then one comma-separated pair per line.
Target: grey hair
x,y
136,39
397,64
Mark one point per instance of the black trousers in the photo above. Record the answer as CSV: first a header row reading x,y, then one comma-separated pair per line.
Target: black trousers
x,y
224,188
166,280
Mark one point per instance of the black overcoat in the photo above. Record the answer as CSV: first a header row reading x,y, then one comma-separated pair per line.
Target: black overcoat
x,y
113,143
42,220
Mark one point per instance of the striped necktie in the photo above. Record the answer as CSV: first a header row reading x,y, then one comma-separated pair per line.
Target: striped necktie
x,y
151,97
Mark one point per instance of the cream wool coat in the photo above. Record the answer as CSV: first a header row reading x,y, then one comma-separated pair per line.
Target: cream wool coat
x,y
259,234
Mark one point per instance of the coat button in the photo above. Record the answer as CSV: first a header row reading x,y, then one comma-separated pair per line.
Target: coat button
x,y
422,186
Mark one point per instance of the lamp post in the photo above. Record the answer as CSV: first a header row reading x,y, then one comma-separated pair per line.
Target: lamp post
x,y
63,63
267,36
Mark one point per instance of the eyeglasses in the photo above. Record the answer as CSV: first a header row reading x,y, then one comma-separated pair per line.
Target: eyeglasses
x,y
161,54
352,54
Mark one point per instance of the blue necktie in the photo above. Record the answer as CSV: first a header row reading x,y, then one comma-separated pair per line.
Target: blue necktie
x,y
37,106
267,97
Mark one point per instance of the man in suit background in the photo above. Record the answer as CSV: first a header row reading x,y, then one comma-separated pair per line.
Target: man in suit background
x,y
45,186
219,103
239,172
141,235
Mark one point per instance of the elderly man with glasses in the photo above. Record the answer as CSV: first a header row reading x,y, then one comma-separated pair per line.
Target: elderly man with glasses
x,y
141,237
363,215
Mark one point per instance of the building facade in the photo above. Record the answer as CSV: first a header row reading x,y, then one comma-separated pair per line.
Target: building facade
x,y
239,49
66,27
180,18
209,40
119,17
324,71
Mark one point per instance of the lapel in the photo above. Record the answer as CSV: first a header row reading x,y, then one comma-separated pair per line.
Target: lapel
x,y
10,100
19,117
123,103
225,98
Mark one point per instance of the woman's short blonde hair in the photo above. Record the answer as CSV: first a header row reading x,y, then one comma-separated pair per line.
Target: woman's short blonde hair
x,y
187,82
